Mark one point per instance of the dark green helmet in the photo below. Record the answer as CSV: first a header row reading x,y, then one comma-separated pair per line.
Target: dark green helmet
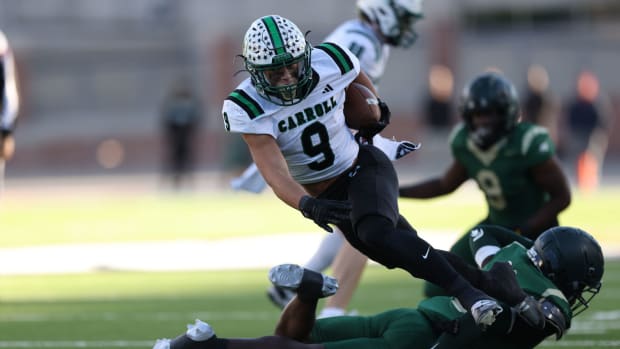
x,y
490,94
573,260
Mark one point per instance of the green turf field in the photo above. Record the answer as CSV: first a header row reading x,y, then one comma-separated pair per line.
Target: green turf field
x,y
73,217
130,310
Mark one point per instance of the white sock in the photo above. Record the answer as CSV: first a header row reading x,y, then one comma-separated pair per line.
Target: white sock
x,y
325,254
331,312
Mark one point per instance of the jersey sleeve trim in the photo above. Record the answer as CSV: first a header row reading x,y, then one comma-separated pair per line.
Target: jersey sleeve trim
x,y
529,136
554,292
338,55
454,132
249,105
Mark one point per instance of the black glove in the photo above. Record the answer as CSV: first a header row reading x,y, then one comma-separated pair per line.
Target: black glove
x,y
500,282
369,132
531,312
324,212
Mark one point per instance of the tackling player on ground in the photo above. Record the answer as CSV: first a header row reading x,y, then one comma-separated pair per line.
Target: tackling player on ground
x,y
560,272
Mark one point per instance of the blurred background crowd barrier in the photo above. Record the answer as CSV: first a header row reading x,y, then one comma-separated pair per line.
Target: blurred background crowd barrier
x,y
94,74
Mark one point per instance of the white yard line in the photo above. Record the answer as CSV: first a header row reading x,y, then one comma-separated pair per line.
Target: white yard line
x,y
237,253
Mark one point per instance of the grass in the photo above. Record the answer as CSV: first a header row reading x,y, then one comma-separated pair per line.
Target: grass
x,y
112,218
130,309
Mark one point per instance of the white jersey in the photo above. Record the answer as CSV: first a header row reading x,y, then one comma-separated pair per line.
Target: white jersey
x,y
9,104
361,40
312,135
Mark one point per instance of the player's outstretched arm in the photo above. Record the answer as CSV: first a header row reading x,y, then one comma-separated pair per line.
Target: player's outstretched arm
x,y
454,176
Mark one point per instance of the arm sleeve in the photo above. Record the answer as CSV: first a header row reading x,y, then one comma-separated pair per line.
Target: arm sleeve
x,y
237,120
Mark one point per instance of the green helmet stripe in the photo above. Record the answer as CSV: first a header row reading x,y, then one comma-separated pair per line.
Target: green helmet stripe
x,y
274,34
249,105
338,55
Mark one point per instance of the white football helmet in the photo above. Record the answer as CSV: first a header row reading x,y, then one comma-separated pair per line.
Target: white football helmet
x,y
272,43
394,18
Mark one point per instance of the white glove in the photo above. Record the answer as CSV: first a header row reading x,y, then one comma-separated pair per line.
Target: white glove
x,y
394,149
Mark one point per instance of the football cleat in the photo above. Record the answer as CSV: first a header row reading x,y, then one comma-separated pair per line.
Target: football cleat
x,y
307,283
193,338
279,296
162,344
485,312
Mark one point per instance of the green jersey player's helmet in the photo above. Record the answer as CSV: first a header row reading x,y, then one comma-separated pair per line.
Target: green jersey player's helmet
x,y
272,44
490,94
394,19
573,260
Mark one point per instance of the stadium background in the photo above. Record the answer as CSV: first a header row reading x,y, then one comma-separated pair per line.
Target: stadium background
x,y
93,71
82,220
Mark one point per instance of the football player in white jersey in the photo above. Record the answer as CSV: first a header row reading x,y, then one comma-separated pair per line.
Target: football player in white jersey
x,y
290,114
380,25
9,103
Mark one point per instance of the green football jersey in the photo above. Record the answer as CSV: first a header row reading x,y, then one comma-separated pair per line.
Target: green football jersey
x,y
502,171
446,310
530,278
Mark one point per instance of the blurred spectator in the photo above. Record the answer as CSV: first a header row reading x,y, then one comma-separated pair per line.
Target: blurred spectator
x,y
587,123
438,106
539,106
9,103
181,115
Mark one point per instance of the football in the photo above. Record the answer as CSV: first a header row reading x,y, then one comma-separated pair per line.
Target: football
x,y
361,107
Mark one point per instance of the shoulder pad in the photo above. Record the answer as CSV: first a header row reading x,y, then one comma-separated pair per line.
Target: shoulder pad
x,y
554,317
338,55
530,134
246,102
